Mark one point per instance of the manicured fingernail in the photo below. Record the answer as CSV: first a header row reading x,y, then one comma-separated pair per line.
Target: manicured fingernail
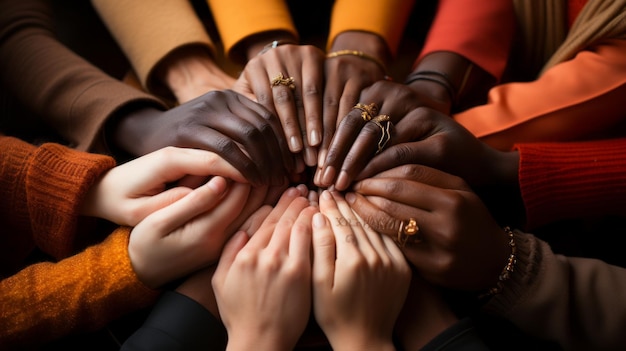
x,y
350,198
319,221
217,184
314,138
310,156
329,176
295,143
342,181
321,158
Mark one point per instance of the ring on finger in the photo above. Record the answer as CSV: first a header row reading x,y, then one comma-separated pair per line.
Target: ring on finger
x,y
384,123
408,232
367,111
282,80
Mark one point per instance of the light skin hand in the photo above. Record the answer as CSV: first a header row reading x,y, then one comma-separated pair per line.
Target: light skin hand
x,y
186,235
300,109
263,282
462,246
360,279
190,72
128,193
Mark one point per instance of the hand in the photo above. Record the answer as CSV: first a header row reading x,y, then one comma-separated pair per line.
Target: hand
x,y
422,136
263,283
224,122
346,77
128,193
299,109
462,246
190,72
356,141
360,279
186,235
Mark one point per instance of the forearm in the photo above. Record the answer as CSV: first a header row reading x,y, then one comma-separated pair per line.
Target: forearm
x,y
548,297
85,292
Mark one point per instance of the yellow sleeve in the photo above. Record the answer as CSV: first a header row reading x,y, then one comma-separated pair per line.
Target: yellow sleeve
x,y
46,301
148,30
239,19
386,18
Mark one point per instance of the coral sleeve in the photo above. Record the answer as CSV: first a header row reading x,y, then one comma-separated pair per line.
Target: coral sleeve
x,y
41,189
46,301
561,181
238,19
573,99
385,18
148,30
481,31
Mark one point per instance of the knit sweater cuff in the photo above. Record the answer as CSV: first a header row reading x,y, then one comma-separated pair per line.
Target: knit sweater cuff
x,y
572,180
56,182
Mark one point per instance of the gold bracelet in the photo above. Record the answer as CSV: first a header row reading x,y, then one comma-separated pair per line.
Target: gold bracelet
x,y
508,269
360,54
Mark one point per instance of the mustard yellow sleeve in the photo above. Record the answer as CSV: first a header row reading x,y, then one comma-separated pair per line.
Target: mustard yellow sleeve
x,y
148,30
386,18
239,19
47,301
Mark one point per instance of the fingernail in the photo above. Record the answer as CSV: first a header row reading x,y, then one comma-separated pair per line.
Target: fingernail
x,y
217,184
342,181
310,156
314,138
326,195
329,176
321,158
319,221
299,164
350,198
295,143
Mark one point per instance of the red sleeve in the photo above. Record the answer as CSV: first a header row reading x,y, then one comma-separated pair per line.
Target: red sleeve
x,y
481,31
572,180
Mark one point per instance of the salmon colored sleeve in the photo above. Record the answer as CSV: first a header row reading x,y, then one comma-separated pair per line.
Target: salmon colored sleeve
x,y
41,189
385,18
238,19
481,31
47,301
148,30
560,181
572,100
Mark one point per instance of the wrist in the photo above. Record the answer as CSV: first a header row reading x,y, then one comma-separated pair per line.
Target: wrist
x,y
251,46
256,341
368,43
126,133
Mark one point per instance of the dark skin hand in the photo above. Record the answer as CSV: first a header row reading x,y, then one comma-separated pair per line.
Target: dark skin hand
x,y
419,135
462,247
241,131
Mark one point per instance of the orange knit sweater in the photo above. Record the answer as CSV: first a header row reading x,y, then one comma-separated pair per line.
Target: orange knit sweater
x,y
40,192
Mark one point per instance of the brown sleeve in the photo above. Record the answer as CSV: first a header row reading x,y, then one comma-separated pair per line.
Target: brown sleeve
x,y
71,95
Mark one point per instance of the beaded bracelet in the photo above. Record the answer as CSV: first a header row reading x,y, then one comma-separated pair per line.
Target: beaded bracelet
x,y
433,76
508,269
360,54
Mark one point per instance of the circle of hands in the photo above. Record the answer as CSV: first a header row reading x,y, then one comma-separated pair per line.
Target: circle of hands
x,y
279,201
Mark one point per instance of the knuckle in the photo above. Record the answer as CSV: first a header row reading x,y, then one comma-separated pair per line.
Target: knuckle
x,y
283,96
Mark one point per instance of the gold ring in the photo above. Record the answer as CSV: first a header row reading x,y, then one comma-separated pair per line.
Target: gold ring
x,y
281,80
368,111
385,129
408,231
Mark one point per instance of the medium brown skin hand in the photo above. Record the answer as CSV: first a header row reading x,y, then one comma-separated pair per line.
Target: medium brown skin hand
x,y
234,127
462,247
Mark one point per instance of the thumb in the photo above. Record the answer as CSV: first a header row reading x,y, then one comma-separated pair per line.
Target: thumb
x,y
324,252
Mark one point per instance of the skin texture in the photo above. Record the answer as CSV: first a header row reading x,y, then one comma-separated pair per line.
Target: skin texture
x,y
129,192
229,124
462,246
275,264
349,259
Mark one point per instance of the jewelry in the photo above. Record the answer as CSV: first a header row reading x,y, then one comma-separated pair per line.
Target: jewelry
x,y
507,270
385,129
360,54
281,80
368,111
274,44
408,231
